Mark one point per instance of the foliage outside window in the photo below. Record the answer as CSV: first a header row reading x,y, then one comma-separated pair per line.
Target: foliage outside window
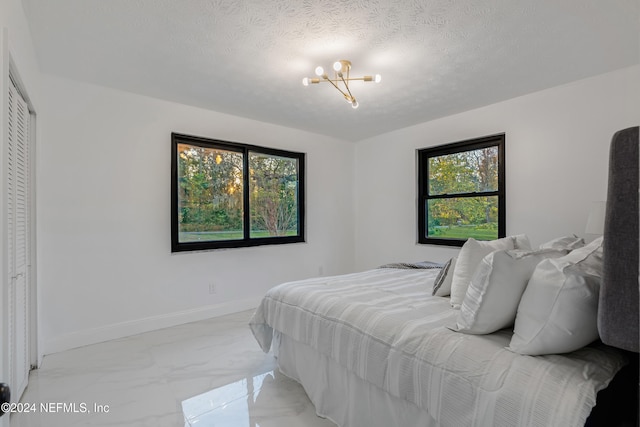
x,y
461,191
226,194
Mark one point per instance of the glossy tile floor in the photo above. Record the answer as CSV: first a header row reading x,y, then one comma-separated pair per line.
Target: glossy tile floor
x,y
208,373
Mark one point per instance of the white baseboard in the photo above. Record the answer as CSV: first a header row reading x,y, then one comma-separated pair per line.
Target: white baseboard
x,y
134,327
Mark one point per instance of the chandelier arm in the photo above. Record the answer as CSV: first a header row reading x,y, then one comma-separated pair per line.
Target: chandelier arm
x,y
350,79
346,85
337,87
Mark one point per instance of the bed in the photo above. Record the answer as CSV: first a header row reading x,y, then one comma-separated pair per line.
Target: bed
x,y
378,348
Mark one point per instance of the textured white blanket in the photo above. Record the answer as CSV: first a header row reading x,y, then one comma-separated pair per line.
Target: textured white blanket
x,y
385,326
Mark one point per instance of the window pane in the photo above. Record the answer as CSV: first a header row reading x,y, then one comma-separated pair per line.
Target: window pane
x,y
465,172
463,217
273,187
209,194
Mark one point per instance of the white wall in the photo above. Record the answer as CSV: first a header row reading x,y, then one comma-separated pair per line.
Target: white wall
x,y
557,143
14,22
106,269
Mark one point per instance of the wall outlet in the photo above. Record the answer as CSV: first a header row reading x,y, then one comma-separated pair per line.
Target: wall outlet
x,y
213,289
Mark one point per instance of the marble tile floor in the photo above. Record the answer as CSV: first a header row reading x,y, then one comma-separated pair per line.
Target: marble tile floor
x,y
206,374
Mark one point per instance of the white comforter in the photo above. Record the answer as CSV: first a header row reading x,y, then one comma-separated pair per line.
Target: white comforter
x,y
385,326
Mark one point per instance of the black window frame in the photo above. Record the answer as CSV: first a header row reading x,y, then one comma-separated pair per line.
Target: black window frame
x,y
247,240
497,140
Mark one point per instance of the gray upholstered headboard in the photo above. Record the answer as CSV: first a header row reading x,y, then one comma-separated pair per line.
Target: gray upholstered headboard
x,y
619,299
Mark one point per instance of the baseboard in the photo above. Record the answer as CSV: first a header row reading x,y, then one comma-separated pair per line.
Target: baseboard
x,y
134,327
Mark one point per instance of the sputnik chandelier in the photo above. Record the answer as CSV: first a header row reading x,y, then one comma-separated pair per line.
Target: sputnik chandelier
x,y
342,69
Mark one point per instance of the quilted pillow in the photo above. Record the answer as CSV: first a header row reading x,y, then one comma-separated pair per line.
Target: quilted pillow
x,y
558,310
494,293
470,256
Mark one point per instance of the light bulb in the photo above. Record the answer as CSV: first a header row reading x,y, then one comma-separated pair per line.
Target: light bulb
x,y
378,78
337,66
355,104
305,81
319,71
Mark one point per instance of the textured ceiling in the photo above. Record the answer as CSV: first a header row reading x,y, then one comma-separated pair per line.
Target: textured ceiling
x,y
248,57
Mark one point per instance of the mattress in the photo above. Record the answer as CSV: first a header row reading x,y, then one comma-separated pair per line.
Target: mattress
x,y
386,328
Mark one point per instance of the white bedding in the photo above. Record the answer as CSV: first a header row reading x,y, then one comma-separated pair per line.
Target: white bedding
x,y
385,327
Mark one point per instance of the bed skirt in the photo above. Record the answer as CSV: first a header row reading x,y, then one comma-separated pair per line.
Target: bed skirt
x,y
341,396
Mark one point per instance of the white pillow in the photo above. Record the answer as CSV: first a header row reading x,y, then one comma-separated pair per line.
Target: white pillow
x,y
494,293
566,242
442,284
558,310
470,256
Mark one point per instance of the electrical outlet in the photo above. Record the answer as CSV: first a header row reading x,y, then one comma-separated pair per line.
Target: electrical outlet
x,y
213,288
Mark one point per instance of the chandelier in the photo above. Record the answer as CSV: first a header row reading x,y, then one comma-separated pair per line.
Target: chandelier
x,y
342,78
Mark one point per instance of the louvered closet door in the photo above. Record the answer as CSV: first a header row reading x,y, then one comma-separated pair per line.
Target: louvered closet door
x,y
18,214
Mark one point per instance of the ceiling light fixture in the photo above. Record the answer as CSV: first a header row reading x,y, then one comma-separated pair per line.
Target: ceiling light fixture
x,y
342,69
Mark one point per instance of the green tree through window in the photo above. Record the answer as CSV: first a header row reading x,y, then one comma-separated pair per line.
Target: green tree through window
x,y
461,191
274,193
230,195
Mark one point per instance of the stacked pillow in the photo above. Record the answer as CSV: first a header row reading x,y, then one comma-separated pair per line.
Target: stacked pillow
x,y
558,310
568,243
469,258
494,293
442,284
549,295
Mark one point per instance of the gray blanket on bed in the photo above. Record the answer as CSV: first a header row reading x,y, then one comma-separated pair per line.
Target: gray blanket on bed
x,y
413,265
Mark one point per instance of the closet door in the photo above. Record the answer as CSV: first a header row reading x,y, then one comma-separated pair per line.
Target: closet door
x,y
18,234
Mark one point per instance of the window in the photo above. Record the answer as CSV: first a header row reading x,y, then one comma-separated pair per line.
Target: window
x,y
227,195
461,191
